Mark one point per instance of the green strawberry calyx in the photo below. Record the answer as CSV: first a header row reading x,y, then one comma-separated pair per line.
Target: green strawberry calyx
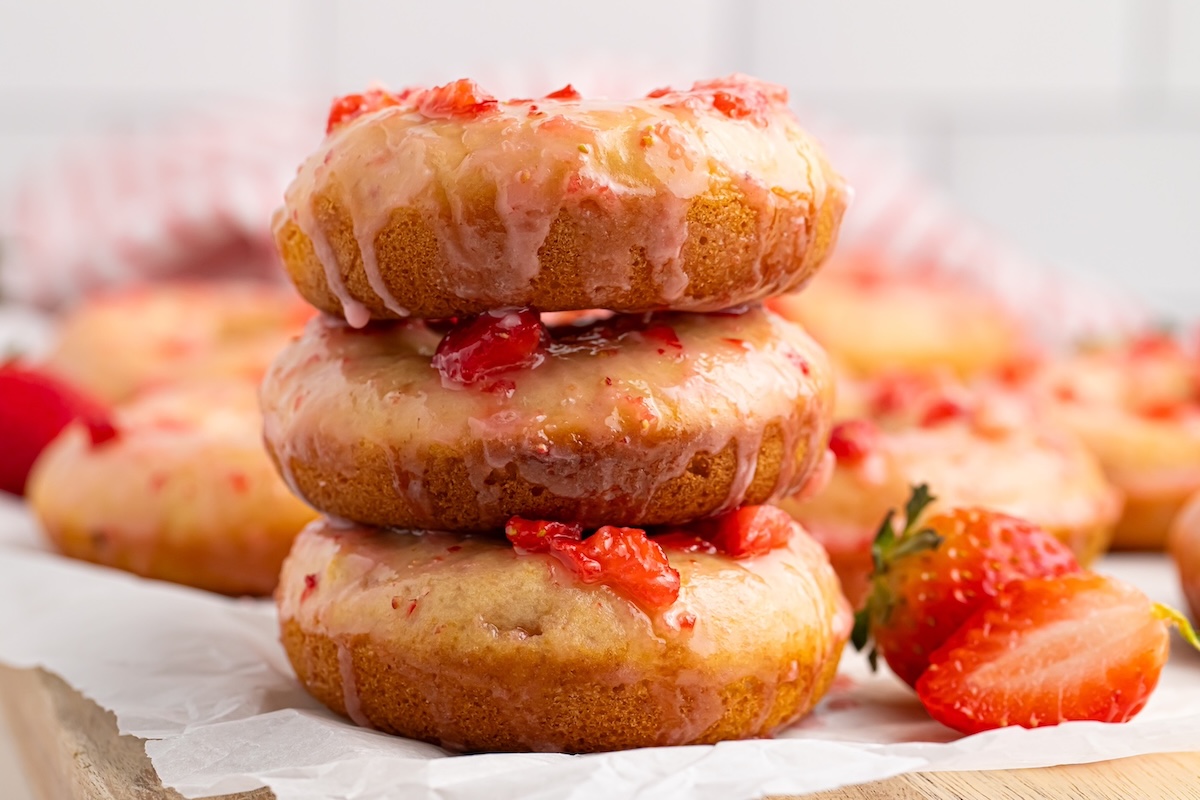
x,y
888,548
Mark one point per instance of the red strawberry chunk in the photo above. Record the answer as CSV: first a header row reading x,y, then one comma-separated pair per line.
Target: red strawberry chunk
x,y
34,408
540,536
853,440
1048,650
568,92
942,410
624,559
750,531
352,106
462,98
490,344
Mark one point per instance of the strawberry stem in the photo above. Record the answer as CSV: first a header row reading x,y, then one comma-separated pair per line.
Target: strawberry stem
x,y
1178,621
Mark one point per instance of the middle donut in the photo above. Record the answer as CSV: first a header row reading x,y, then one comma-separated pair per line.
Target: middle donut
x,y
629,420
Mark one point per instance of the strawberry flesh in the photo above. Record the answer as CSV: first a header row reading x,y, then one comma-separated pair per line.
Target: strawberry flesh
x,y
853,440
749,531
624,559
34,408
1045,651
353,106
490,344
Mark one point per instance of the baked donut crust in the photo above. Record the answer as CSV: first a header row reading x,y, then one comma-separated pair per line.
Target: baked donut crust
x,y
561,204
999,460
458,640
615,427
184,493
117,344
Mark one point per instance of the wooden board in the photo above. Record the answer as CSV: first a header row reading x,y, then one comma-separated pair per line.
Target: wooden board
x,y
71,751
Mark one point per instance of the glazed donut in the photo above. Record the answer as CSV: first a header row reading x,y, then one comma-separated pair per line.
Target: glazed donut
x,y
446,202
972,450
1183,544
874,320
627,421
1136,405
463,641
117,344
183,492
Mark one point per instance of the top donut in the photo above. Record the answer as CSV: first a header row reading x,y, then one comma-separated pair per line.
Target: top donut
x,y
447,202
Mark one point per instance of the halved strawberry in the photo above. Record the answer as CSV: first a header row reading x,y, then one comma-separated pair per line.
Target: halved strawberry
x,y
1048,650
34,408
929,578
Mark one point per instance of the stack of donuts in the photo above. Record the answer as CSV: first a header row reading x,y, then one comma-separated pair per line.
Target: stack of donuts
x,y
542,414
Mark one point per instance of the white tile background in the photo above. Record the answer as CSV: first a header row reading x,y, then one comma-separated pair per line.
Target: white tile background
x,y
1071,126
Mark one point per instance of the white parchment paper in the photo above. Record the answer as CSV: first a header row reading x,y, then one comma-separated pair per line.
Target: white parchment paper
x,y
205,679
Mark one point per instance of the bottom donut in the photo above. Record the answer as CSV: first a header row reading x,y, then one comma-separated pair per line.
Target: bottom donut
x,y
477,645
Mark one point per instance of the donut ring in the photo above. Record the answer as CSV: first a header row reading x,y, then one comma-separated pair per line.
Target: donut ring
x,y
448,203
1183,544
875,319
627,422
184,493
117,344
991,456
378,627
1137,406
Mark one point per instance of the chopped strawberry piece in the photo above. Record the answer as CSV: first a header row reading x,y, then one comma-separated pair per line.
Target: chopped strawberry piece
x,y
731,105
853,440
568,92
540,536
934,575
942,410
34,408
352,106
624,559
1048,650
485,346
462,98
750,531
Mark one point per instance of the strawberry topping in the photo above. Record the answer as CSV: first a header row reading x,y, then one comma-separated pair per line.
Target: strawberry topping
x,y
853,440
751,531
568,92
353,106
34,408
462,98
483,347
624,559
